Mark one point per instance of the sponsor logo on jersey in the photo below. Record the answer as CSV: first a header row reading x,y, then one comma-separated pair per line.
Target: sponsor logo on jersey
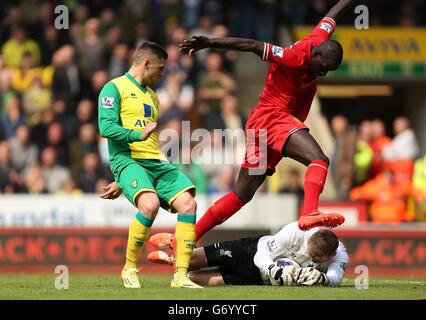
x,y
133,95
140,123
326,26
107,102
272,245
277,51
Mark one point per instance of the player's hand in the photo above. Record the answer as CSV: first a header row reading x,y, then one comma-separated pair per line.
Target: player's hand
x,y
281,276
193,44
149,128
310,277
112,191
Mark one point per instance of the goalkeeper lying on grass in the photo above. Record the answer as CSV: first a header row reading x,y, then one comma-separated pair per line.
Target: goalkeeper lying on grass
x,y
290,257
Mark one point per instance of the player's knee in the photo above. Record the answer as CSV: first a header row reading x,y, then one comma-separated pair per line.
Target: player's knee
x,y
245,194
188,206
315,156
149,205
324,158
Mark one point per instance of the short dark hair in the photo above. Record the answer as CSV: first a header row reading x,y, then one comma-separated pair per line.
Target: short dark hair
x,y
332,52
149,47
323,243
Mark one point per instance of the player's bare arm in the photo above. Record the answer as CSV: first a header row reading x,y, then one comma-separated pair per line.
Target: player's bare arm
x,y
196,43
337,10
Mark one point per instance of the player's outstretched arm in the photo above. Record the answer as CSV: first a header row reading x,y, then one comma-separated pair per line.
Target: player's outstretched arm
x,y
196,43
340,7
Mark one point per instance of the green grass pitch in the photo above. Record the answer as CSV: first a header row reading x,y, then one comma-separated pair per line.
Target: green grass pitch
x,y
156,287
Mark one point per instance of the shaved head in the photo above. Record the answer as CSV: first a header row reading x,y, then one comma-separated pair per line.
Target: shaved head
x,y
148,49
332,53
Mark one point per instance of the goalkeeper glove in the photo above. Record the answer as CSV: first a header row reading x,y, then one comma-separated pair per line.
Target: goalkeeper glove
x,y
310,277
280,276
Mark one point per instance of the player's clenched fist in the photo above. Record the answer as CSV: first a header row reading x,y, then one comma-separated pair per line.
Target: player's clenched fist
x,y
310,277
280,276
149,128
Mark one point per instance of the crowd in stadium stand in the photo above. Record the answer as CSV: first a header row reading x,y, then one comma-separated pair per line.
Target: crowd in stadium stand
x,y
50,80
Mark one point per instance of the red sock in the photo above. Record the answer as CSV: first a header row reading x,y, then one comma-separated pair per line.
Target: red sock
x,y
314,183
218,213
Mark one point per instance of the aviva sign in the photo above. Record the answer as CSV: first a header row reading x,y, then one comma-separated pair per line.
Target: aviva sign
x,y
399,52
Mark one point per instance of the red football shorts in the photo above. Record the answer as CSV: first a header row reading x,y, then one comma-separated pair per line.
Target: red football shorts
x,y
267,130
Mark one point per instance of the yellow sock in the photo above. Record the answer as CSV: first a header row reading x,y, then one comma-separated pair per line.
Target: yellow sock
x,y
185,241
138,234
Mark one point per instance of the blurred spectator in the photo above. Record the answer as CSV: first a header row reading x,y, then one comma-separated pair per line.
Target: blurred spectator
x,y
193,170
229,56
66,80
89,173
9,177
118,64
211,155
388,198
6,91
79,147
404,145
176,97
54,174
39,131
97,81
13,19
56,139
23,154
85,113
294,185
35,181
378,143
91,49
363,152
13,117
213,84
24,75
342,162
204,28
14,49
35,100
49,44
418,201
293,12
69,187
190,13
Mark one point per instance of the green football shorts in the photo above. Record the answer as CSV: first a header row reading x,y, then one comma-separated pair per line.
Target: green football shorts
x,y
154,175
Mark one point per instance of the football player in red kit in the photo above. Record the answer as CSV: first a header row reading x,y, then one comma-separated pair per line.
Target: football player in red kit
x,y
283,106
278,120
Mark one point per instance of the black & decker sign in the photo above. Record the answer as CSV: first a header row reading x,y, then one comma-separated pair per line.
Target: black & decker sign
x,y
386,251
33,249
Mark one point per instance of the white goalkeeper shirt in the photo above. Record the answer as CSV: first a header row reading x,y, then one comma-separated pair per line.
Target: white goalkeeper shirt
x,y
292,243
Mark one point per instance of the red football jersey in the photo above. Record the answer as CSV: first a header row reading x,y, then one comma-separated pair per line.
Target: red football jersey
x,y
288,83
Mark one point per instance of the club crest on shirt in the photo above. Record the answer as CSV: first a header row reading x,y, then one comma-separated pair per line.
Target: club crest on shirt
x,y
134,184
107,102
277,51
326,26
